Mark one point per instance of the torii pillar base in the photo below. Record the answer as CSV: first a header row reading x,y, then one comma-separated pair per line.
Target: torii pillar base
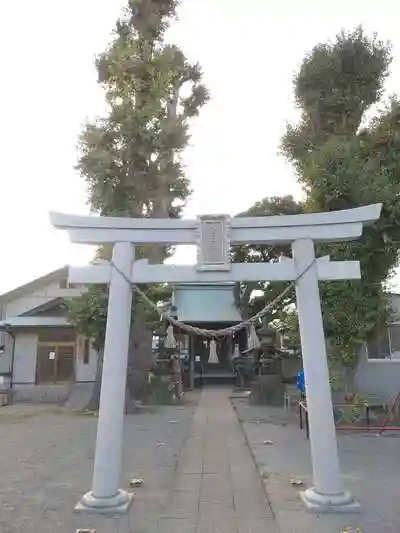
x,y
327,503
118,504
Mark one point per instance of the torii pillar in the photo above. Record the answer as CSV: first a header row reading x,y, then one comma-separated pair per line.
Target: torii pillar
x,y
105,495
328,493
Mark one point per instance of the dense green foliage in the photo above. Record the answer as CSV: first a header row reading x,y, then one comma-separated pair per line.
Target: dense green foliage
x,y
252,302
131,159
344,161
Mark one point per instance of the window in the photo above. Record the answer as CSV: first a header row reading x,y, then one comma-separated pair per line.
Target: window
x,y
394,337
386,344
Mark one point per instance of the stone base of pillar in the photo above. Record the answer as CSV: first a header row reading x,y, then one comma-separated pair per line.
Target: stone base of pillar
x,y
324,503
118,504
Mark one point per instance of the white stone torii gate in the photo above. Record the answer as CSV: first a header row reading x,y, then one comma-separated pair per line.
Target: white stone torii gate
x,y
213,236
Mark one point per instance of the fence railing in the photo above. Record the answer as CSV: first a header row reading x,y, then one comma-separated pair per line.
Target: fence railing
x,y
348,417
303,418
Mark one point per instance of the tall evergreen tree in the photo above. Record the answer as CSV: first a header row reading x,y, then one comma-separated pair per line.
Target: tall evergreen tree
x,y
342,162
131,159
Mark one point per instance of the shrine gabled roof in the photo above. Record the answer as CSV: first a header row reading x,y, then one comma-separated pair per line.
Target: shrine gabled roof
x,y
206,302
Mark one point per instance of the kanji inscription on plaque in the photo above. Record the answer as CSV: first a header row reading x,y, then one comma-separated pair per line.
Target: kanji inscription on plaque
x,y
213,244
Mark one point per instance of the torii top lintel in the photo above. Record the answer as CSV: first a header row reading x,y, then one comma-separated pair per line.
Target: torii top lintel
x,y
320,227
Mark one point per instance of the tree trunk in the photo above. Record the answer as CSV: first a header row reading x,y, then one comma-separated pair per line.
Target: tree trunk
x,y
130,401
140,360
349,379
94,401
140,356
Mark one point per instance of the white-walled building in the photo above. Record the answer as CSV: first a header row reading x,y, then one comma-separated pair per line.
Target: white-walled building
x,y
39,346
378,370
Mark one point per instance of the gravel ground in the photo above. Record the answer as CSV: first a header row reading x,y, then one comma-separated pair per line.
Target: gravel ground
x,y
47,459
370,465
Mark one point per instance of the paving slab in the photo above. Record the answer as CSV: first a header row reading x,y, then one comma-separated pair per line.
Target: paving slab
x,y
173,525
217,468
188,482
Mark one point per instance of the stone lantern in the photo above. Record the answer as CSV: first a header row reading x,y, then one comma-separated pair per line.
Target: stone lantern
x,y
268,387
270,360
267,336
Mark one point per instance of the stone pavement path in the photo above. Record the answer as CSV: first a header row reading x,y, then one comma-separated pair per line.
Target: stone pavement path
x,y
216,487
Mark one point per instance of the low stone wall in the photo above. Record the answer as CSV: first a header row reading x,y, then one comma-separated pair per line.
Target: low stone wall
x,y
31,393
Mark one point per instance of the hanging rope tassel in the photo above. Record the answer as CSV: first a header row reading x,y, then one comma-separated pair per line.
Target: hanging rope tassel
x,y
213,357
253,341
236,352
170,341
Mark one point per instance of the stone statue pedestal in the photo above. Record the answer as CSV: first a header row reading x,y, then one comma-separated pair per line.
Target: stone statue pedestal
x,y
268,390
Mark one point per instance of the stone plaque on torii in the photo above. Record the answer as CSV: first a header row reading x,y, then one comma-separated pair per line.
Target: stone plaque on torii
x,y
213,236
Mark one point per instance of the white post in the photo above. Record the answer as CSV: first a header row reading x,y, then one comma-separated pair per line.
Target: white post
x,y
327,493
106,496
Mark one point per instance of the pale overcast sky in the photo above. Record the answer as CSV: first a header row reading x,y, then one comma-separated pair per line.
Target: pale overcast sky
x,y
249,53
